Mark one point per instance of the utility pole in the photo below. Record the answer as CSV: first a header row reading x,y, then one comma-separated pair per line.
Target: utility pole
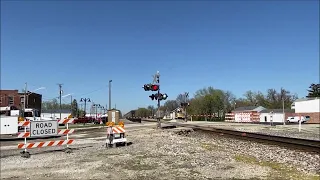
x,y
60,93
110,94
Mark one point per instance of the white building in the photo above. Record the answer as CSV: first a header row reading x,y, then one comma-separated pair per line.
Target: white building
x,y
306,105
277,115
247,114
56,114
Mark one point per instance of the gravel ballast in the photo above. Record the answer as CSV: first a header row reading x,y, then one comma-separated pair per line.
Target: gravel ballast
x,y
162,154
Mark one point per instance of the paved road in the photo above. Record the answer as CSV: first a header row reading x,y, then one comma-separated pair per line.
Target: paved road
x,y
96,134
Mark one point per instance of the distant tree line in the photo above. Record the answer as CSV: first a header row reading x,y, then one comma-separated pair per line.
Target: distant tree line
x,y
54,106
211,101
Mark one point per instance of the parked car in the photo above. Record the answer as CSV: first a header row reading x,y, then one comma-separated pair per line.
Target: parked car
x,y
296,119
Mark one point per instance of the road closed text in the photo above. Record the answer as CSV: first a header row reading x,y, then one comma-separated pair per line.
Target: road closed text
x,y
43,128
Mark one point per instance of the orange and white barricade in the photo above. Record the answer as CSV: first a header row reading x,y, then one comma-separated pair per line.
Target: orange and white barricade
x,y
40,129
117,134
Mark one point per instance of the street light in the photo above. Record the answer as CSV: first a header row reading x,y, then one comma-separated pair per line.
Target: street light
x,y
85,100
97,106
110,94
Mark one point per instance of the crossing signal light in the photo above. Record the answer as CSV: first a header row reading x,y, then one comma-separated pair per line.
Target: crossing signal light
x,y
151,87
161,96
154,87
185,104
164,96
147,87
153,97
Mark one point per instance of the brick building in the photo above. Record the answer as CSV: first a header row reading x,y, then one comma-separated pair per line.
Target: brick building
x,y
16,99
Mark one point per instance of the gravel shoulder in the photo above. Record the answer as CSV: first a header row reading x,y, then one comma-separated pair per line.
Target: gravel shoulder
x,y
162,154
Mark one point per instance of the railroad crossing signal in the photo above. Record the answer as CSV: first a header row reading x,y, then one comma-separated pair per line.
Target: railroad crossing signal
x,y
163,96
153,96
185,104
158,97
151,87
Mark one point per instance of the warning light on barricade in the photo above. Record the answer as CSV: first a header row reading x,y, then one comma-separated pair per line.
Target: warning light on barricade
x,y
121,124
20,119
70,116
110,123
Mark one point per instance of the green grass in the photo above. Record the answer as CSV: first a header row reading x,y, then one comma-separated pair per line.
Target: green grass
x,y
279,171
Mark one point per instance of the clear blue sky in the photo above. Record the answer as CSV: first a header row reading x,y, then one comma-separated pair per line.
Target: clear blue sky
x,y
230,45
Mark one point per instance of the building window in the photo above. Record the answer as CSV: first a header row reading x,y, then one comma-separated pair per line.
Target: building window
x,y
0,100
22,99
10,100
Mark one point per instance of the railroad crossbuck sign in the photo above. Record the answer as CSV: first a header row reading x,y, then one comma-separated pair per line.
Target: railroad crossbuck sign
x,y
43,128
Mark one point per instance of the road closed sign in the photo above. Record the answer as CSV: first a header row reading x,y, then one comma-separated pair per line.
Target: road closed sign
x,y
43,128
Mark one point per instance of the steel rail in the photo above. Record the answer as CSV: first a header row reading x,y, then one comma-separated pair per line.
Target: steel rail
x,y
306,144
298,143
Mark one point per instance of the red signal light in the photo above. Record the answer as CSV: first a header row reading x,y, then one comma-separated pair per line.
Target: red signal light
x,y
154,87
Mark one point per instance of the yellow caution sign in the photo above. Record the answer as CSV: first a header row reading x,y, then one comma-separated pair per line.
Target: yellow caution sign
x,y
70,116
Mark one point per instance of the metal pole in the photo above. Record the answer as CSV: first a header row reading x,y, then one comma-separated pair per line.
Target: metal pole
x,y
85,107
284,116
60,87
186,105
71,107
96,112
158,118
110,94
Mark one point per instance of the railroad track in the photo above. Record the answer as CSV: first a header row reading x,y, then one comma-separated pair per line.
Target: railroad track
x,y
295,143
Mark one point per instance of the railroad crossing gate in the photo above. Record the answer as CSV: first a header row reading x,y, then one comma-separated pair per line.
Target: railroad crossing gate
x,y
43,129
